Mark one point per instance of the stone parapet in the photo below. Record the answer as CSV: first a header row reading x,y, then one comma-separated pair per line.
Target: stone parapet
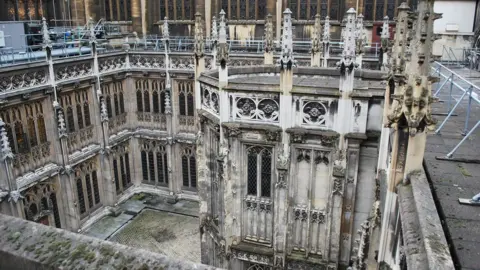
x,y
425,243
28,245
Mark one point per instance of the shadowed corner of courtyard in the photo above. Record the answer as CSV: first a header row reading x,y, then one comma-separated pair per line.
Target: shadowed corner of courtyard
x,y
149,222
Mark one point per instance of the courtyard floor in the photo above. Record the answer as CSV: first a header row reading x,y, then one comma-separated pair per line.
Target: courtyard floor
x,y
149,222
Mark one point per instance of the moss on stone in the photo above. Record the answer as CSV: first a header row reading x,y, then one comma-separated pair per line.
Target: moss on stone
x,y
13,237
464,171
138,196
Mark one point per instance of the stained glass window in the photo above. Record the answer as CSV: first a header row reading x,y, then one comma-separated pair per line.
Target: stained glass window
x,y
368,10
243,9
251,9
379,10
303,10
323,9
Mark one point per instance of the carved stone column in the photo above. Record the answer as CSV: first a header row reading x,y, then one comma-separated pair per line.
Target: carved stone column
x,y
199,53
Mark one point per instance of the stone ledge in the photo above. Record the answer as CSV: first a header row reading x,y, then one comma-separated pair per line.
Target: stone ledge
x,y
27,245
426,246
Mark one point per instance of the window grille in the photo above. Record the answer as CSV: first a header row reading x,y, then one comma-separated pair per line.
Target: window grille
x,y
79,116
127,169
89,191
259,170
96,191
81,199
144,166
151,166
189,171
115,176
56,215
139,101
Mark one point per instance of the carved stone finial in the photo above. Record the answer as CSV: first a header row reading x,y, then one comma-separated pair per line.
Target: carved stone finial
x,y
168,105
62,130
222,36
91,27
360,36
385,29
5,149
222,53
214,30
412,104
326,30
165,31
47,43
286,60
317,35
347,62
103,111
199,41
269,33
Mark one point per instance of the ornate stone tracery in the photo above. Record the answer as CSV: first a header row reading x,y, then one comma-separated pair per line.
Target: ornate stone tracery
x,y
256,107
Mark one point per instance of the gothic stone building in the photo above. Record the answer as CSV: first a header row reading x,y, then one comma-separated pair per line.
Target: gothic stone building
x,y
246,17
280,151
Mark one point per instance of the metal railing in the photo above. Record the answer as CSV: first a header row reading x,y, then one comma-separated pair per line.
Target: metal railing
x,y
469,90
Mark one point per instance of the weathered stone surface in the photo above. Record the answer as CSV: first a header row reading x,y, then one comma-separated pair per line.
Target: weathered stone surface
x,y
27,245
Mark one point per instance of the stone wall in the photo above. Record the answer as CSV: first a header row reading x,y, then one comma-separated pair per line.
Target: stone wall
x,y
28,245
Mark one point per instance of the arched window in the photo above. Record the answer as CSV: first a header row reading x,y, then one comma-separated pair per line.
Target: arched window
x,y
86,113
189,171
96,191
122,103
42,133
190,104
259,171
20,137
162,166
181,104
151,166
89,190
117,105
56,215
81,198
156,102
139,101
144,166
115,176
79,116
146,101
70,120
32,136
109,106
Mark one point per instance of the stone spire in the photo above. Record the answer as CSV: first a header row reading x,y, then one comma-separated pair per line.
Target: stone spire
x,y
286,59
326,42
5,150
413,97
326,30
62,129
400,42
347,62
214,30
165,31
91,27
385,41
103,111
199,41
316,42
222,54
47,43
360,37
269,33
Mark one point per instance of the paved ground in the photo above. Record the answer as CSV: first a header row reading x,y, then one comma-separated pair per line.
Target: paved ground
x,y
452,180
149,222
174,235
